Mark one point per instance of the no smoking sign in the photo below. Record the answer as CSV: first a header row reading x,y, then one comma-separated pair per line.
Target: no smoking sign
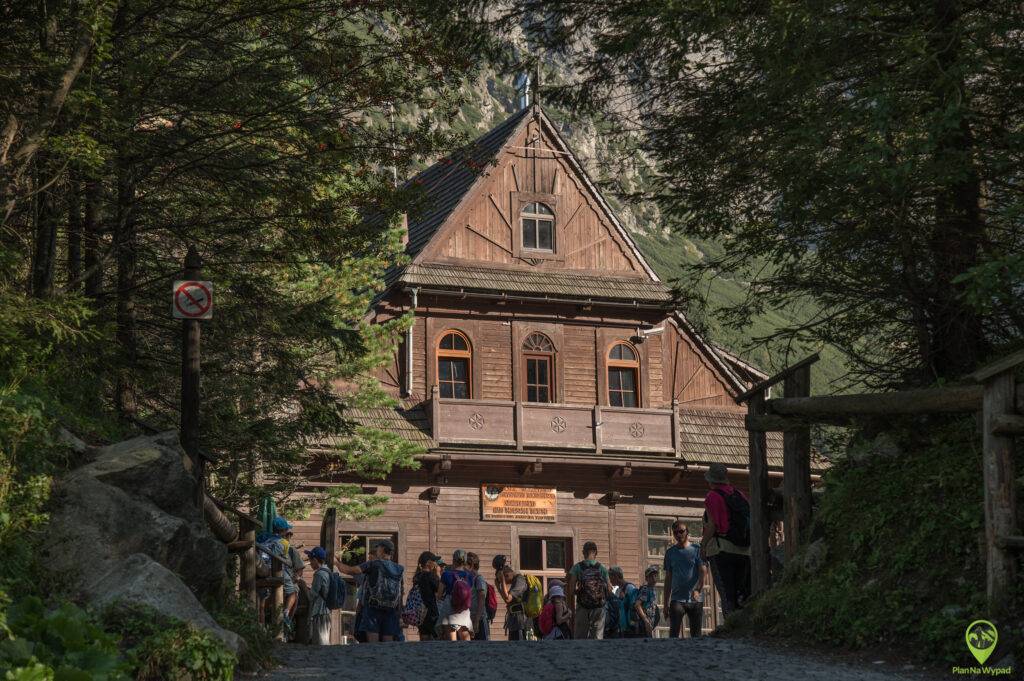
x,y
192,300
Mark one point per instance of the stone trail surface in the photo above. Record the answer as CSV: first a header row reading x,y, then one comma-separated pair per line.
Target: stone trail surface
x,y
625,660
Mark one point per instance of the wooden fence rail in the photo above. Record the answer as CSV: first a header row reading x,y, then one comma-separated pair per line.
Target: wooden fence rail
x,y
992,390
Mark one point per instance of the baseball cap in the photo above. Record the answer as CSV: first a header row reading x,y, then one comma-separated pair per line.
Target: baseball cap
x,y
317,552
427,555
499,561
650,569
459,556
281,524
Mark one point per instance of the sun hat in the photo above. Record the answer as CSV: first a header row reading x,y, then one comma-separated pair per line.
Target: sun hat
x,y
556,591
717,474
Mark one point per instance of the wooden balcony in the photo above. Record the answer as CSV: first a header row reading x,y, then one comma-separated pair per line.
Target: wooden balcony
x,y
527,425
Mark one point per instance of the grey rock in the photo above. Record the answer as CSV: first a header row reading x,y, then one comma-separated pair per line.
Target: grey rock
x,y
140,580
814,556
125,526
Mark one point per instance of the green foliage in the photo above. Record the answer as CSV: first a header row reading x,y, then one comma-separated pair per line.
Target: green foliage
x,y
63,644
183,653
904,536
240,617
853,165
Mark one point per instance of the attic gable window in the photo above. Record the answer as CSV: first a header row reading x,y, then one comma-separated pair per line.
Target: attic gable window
x,y
538,227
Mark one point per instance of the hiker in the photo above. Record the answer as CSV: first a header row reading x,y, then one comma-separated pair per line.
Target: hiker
x,y
300,615
513,589
319,613
684,583
482,596
726,537
425,585
277,544
296,565
555,619
588,592
458,593
382,592
619,618
645,607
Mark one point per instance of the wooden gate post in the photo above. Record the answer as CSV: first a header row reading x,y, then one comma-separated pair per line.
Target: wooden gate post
x,y
247,564
190,373
796,466
760,562
328,540
1000,503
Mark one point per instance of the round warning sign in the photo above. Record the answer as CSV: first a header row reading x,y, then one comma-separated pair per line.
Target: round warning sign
x,y
193,300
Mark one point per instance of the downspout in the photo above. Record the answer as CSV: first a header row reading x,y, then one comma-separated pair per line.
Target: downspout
x,y
415,293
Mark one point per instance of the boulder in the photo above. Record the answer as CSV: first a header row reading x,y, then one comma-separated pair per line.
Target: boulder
x,y
814,556
124,526
140,580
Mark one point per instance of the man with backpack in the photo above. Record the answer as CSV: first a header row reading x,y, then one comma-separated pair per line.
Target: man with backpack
x,y
421,605
382,593
319,594
726,537
588,591
514,589
620,618
684,583
483,597
457,592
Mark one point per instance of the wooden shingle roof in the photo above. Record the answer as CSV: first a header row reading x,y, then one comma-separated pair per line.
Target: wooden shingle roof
x,y
564,283
445,183
714,435
407,419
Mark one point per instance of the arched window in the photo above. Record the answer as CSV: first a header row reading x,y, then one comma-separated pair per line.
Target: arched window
x,y
623,376
538,368
454,363
538,227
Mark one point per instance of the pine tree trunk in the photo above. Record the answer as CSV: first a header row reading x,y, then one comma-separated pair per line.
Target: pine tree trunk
x,y
74,234
958,343
45,247
91,236
126,248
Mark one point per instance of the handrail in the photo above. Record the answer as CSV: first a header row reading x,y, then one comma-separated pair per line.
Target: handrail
x,y
772,380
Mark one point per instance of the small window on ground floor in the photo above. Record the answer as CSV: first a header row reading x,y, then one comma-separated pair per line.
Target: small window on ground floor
x,y
547,558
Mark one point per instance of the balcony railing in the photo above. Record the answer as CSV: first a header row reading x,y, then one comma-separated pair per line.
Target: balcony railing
x,y
559,426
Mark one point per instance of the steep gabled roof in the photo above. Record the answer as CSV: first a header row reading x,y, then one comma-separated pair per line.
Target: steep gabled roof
x,y
448,181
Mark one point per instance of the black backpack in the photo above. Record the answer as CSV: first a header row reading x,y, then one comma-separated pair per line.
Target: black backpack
x,y
739,518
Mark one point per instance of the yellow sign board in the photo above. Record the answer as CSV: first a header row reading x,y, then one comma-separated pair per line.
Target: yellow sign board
x,y
520,504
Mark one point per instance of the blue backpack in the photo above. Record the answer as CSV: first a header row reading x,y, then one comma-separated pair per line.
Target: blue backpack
x,y
336,592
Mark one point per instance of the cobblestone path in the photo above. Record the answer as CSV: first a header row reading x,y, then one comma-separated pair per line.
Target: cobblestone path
x,y
628,660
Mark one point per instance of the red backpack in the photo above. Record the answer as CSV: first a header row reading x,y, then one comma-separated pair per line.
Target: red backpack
x,y
462,594
492,603
546,621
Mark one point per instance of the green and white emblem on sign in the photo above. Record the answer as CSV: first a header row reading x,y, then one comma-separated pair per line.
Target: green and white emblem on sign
x,y
981,639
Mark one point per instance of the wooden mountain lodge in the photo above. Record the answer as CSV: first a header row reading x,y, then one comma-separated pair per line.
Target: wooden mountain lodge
x,y
559,395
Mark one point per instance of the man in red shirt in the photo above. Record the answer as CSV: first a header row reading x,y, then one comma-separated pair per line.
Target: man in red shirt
x,y
725,541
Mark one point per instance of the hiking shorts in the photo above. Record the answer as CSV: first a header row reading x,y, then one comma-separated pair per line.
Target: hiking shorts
x,y
380,621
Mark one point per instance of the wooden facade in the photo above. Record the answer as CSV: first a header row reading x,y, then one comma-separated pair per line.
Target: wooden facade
x,y
563,369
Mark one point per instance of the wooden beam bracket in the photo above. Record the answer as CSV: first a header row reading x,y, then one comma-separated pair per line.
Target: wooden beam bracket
x,y
622,472
534,468
772,380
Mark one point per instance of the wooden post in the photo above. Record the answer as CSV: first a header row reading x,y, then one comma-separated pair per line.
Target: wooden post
x,y
677,445
190,375
517,425
277,598
247,564
759,495
796,466
1000,504
597,429
329,540
435,412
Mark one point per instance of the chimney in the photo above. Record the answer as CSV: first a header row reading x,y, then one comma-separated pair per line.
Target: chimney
x,y
523,90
